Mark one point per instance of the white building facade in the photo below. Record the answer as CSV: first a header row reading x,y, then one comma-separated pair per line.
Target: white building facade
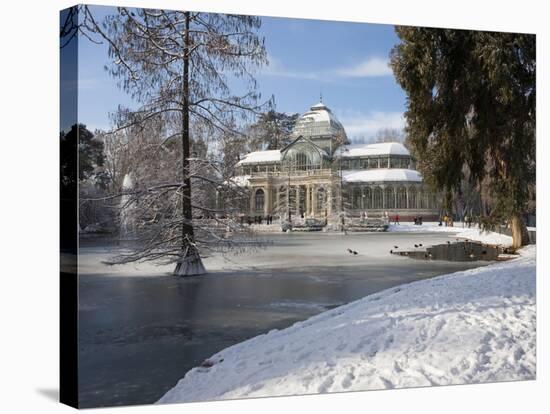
x,y
320,175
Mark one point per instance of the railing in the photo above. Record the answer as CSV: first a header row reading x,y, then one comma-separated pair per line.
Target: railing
x,y
293,173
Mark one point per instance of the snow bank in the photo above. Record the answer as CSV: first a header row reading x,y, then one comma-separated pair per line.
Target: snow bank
x,y
268,156
365,150
381,174
466,327
472,233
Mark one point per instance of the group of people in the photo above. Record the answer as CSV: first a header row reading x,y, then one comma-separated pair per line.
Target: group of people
x,y
257,219
448,220
418,220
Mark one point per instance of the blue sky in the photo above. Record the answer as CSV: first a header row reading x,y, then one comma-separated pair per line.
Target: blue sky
x,y
346,62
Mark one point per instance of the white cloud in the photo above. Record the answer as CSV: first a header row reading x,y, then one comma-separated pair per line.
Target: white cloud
x,y
371,67
277,68
366,125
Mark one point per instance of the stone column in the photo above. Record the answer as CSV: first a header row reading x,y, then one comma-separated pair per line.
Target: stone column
x,y
314,207
267,200
297,201
384,207
329,199
308,193
314,198
277,202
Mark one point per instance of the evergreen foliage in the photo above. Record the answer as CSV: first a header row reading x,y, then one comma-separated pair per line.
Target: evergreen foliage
x,y
471,102
272,130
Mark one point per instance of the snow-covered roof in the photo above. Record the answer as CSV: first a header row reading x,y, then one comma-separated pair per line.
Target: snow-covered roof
x,y
365,150
239,180
381,174
261,157
319,121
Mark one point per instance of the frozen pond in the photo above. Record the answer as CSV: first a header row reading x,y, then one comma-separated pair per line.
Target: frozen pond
x,y
141,330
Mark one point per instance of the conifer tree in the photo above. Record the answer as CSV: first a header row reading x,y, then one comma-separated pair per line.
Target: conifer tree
x,y
471,102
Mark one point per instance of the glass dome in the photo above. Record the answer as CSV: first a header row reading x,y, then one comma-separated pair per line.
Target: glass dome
x,y
319,122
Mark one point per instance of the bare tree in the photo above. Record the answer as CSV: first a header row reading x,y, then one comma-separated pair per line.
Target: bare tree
x,y
179,65
389,135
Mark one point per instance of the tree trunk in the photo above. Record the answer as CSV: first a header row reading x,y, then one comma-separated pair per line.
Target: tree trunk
x,y
520,235
190,263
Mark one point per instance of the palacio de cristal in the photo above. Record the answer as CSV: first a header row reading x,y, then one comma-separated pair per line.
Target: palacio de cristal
x,y
320,175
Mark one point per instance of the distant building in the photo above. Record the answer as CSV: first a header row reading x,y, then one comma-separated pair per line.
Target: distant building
x,y
321,175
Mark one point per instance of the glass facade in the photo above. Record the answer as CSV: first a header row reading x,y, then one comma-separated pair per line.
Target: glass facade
x,y
305,178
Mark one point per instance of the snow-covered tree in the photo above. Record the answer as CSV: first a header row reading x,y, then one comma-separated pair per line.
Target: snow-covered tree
x,y
179,66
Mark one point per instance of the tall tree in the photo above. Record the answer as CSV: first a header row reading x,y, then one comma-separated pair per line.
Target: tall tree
x,y
471,101
90,151
179,66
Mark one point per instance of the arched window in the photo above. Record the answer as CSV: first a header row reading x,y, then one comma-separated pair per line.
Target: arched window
x,y
421,199
401,197
390,197
377,197
367,197
302,156
413,198
259,200
356,200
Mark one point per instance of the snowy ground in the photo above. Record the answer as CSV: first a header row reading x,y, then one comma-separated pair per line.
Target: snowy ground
x,y
471,233
472,326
